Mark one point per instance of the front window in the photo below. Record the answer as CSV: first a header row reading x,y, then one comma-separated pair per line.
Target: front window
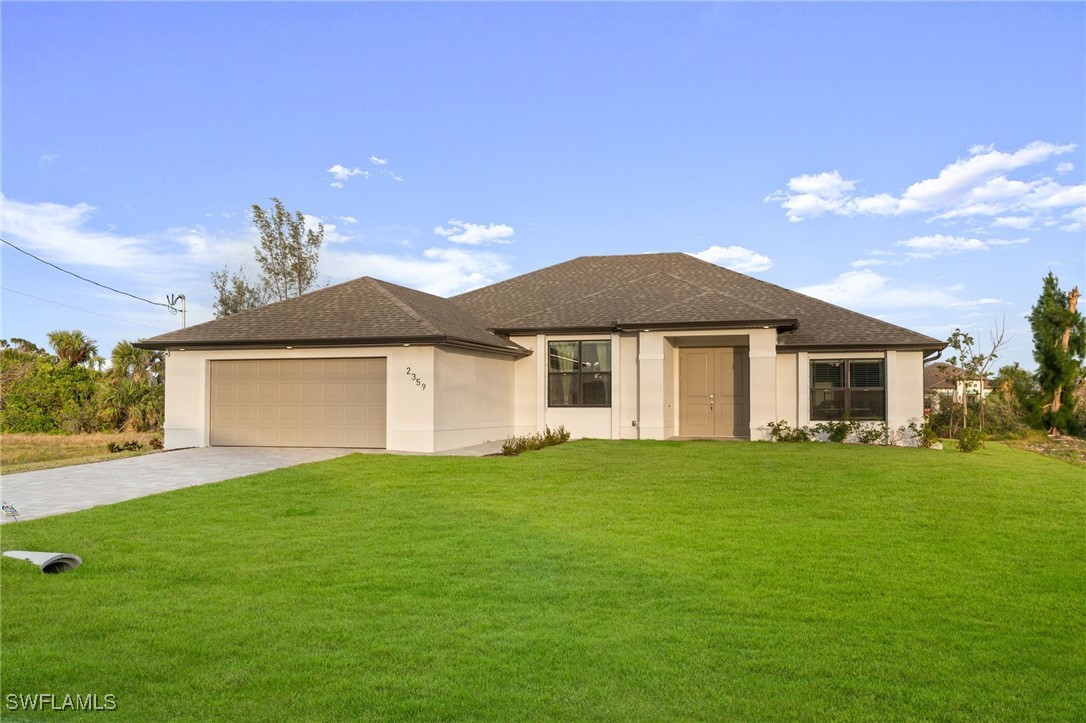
x,y
580,374
848,389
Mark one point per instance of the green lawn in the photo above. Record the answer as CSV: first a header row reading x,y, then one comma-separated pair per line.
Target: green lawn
x,y
595,580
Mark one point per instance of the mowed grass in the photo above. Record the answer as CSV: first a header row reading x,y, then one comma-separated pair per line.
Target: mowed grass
x,y
595,580
26,452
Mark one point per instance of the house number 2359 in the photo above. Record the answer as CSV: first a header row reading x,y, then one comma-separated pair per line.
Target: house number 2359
x,y
415,378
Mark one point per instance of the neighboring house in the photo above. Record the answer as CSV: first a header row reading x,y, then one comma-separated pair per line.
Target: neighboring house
x,y
942,381
648,346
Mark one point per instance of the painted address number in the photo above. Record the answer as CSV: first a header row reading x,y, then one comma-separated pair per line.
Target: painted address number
x,y
415,378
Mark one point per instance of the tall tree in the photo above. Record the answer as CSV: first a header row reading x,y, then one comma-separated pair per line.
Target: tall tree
x,y
143,366
21,345
1059,345
287,253
972,365
235,293
75,347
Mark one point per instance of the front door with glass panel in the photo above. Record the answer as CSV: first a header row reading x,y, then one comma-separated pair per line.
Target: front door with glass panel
x,y
713,392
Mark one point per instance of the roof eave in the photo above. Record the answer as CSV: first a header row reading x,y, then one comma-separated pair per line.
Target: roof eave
x,y
780,324
898,346
435,340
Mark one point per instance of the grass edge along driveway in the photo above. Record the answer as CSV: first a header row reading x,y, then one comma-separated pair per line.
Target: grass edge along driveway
x,y
598,580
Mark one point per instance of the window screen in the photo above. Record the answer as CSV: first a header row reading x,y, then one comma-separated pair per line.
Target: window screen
x,y
848,389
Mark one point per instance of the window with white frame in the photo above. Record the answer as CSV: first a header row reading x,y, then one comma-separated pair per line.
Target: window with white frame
x,y
848,389
579,374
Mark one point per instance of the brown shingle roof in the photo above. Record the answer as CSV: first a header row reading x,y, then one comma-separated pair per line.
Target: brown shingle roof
x,y
669,290
937,376
363,311
673,289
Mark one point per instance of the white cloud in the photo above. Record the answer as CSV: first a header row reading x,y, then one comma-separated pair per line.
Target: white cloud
x,y
974,186
1016,222
437,271
736,258
473,234
1065,167
865,263
826,185
341,173
331,231
868,290
1076,220
378,161
927,247
65,235
347,219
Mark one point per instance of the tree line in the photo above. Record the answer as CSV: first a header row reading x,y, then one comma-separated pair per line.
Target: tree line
x,y
1012,400
71,390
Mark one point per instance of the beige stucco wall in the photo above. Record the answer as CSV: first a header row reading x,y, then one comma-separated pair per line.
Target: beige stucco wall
x,y
473,398
410,421
526,375
625,389
657,387
905,395
787,384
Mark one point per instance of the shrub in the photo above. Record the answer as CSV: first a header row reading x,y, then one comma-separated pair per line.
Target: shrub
x,y
156,443
129,446
971,439
837,431
781,431
547,438
872,434
924,433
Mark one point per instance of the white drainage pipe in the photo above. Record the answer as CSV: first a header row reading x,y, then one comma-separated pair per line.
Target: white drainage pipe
x,y
49,562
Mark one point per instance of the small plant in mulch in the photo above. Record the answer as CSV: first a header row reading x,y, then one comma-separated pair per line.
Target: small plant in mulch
x,y
547,438
129,446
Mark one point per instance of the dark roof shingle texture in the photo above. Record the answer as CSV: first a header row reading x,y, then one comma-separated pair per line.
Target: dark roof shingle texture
x,y
359,311
673,289
590,292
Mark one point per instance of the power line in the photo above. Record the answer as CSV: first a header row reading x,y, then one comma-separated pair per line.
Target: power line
x,y
84,278
78,308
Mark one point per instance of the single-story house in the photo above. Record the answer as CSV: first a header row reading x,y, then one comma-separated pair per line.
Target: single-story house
x,y
942,381
648,346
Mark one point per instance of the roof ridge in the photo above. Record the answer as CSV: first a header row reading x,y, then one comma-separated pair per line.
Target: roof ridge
x,y
725,294
426,321
568,301
774,315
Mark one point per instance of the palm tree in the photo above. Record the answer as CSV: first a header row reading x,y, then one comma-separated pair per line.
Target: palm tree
x,y
130,406
75,347
139,365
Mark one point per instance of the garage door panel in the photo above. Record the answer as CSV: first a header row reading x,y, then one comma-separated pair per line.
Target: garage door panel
x,y
299,402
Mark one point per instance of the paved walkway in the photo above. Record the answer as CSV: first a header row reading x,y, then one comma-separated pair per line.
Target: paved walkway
x,y
78,487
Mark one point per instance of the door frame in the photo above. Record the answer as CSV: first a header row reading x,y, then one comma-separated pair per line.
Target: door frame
x,y
742,352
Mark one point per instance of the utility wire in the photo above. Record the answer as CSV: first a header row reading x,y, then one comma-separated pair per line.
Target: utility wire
x,y
77,308
84,278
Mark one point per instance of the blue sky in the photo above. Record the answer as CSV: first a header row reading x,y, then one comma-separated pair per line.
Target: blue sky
x,y
922,163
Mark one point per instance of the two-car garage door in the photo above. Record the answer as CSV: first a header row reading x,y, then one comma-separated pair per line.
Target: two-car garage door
x,y
298,403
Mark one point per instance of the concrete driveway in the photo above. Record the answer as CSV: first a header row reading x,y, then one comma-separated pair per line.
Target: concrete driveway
x,y
67,489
